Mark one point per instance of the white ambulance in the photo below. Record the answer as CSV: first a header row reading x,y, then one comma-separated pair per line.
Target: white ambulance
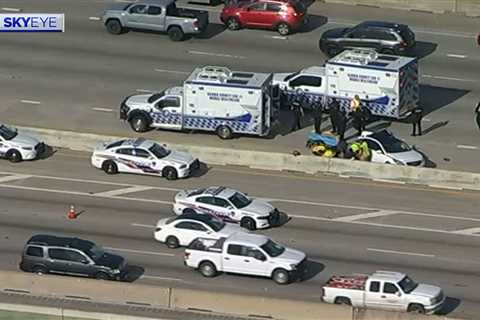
x,y
386,84
211,99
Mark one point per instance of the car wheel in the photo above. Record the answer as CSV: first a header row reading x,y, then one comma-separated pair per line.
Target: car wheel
x,y
207,269
343,300
109,167
284,29
248,223
170,173
14,156
224,132
40,270
188,211
114,27
232,23
172,242
139,123
175,33
281,276
102,276
416,308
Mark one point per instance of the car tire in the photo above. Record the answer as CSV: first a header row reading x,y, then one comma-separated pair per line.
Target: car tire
x,y
343,300
248,223
175,33
170,173
416,308
139,123
14,156
109,167
233,24
281,276
189,211
39,270
102,276
172,242
207,269
114,27
284,29
224,132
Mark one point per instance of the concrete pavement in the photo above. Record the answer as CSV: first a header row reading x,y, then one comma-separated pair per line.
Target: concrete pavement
x,y
74,81
344,225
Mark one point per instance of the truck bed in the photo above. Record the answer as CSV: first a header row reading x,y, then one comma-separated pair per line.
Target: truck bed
x,y
355,282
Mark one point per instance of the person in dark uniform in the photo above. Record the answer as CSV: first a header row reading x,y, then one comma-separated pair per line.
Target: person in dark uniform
x,y
341,123
319,109
297,109
416,120
357,114
333,111
477,112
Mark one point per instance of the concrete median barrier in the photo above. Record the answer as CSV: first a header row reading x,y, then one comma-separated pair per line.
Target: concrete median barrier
x,y
470,8
283,161
256,306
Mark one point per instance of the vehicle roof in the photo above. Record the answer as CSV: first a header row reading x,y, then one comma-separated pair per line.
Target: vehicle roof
x,y
49,240
382,136
205,218
382,24
174,91
216,75
316,70
248,238
139,142
368,58
220,191
157,2
387,276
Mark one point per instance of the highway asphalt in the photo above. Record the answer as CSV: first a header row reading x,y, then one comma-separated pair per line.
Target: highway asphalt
x,y
344,225
76,80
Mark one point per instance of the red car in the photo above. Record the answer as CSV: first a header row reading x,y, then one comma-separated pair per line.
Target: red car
x,y
281,15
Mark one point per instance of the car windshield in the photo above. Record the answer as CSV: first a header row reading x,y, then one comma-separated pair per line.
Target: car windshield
x,y
7,133
96,252
291,75
390,143
159,151
272,249
239,200
154,97
216,224
407,284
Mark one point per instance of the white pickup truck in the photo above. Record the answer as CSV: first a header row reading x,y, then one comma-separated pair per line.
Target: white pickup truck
x,y
383,290
245,253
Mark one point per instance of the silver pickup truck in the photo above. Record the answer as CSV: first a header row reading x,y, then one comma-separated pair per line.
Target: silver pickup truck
x,y
155,15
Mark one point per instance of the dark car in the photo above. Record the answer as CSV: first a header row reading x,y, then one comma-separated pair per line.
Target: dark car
x,y
285,16
384,37
73,256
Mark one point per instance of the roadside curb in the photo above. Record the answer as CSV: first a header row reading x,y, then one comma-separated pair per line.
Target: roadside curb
x,y
310,164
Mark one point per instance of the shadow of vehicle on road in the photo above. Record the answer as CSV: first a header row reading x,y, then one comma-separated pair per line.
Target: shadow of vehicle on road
x,y
449,306
423,49
428,163
433,98
312,268
134,273
213,30
314,22
47,153
201,171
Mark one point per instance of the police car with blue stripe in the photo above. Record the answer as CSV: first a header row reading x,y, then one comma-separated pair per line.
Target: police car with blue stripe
x,y
143,156
213,99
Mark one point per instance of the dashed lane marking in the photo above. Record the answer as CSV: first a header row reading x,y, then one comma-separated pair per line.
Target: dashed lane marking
x,y
459,56
468,231
103,109
380,213
462,146
14,177
406,253
223,55
30,101
11,9
153,253
141,225
447,78
160,278
117,192
172,71
143,90
94,18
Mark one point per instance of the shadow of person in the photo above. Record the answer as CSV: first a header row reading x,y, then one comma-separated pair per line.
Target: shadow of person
x,y
434,127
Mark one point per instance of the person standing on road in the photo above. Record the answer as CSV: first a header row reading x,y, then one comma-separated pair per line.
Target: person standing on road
x,y
417,115
333,111
477,114
357,114
318,111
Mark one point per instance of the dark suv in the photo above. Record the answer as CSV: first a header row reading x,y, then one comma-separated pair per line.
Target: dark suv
x,y
384,37
50,254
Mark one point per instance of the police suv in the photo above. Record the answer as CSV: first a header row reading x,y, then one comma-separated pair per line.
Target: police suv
x,y
229,205
143,156
16,146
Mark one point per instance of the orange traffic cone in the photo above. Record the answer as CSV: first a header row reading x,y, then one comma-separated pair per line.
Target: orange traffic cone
x,y
72,214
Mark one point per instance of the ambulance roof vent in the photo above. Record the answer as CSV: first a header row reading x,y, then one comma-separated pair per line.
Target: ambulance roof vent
x,y
358,56
214,74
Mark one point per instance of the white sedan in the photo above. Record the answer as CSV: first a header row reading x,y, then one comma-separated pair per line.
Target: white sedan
x,y
386,148
16,146
182,230
143,156
228,204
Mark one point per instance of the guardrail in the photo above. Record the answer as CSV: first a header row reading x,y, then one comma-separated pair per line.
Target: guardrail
x,y
467,7
284,161
181,299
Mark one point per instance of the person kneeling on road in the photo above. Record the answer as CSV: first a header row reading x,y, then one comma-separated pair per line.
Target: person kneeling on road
x,y
361,151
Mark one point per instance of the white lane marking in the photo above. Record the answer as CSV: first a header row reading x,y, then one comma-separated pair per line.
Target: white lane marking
x,y
380,213
389,181
94,18
202,8
153,253
11,9
462,146
469,231
406,253
30,101
447,78
150,226
143,90
460,56
14,177
117,192
223,55
172,71
343,176
439,186
160,278
277,37
103,109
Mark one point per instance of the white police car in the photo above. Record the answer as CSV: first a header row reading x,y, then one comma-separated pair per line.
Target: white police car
x,y
16,146
183,229
229,205
143,156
